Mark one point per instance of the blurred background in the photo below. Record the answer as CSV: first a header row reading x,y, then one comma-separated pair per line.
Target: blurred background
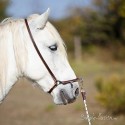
x,y
94,32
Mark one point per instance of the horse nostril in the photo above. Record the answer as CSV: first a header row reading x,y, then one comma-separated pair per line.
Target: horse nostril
x,y
76,92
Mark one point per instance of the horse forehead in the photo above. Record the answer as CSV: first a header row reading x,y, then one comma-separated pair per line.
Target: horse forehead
x,y
53,33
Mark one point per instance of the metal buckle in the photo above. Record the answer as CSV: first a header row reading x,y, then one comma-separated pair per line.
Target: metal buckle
x,y
58,82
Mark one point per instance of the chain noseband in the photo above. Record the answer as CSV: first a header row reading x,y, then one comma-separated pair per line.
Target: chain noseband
x,y
56,82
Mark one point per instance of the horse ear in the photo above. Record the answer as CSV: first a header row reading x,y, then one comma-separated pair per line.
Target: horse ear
x,y
41,21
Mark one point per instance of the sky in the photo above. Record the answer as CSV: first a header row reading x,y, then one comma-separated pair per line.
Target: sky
x,y
59,8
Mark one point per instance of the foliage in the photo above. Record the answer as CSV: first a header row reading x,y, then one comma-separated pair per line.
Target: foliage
x,y
118,52
3,5
102,23
111,93
69,27
113,12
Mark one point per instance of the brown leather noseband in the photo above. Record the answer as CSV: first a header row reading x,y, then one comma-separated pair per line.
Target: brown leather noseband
x,y
56,82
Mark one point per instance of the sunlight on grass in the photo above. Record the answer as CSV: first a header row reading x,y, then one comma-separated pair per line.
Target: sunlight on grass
x,y
86,67
49,107
78,107
92,66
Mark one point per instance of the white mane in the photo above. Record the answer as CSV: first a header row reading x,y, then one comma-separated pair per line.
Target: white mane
x,y
11,33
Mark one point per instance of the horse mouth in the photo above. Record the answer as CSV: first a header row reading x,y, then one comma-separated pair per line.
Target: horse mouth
x,y
65,98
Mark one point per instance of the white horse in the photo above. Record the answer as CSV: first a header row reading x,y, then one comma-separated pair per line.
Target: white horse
x,y
18,57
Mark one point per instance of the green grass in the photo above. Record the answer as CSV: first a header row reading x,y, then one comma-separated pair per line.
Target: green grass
x,y
50,107
90,66
87,67
78,107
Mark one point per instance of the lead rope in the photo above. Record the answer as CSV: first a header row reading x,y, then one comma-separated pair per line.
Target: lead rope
x,y
83,93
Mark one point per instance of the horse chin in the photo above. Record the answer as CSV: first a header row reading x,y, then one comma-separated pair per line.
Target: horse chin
x,y
63,102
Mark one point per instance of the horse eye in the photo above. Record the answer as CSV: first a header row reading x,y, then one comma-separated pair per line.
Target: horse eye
x,y
53,47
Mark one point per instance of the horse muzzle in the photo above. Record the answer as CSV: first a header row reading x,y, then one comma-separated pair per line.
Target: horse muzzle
x,y
66,94
65,97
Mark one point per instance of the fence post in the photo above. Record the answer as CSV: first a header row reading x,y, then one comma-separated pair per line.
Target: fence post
x,y
78,48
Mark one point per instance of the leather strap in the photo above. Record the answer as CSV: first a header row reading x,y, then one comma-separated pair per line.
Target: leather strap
x,y
64,83
38,52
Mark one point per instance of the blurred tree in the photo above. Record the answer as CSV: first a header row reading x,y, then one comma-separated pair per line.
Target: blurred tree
x,y
3,5
102,23
86,23
69,28
114,13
